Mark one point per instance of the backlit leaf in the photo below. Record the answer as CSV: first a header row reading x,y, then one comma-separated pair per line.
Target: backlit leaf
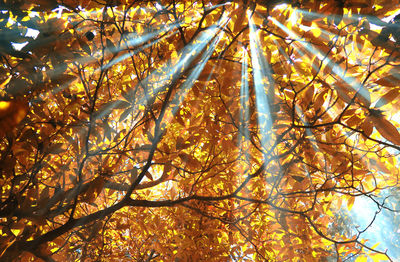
x,y
386,129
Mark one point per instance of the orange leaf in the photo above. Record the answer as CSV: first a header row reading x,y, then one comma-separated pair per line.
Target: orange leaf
x,y
56,148
239,21
11,113
387,98
350,203
94,190
366,127
386,129
343,92
298,178
389,80
308,95
320,99
353,121
149,176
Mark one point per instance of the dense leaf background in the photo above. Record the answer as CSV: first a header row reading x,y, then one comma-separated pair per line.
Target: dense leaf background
x,y
199,130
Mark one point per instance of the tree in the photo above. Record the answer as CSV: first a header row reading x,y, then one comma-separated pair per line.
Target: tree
x,y
195,130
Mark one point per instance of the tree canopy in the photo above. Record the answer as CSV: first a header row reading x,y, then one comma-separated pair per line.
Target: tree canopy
x,y
208,130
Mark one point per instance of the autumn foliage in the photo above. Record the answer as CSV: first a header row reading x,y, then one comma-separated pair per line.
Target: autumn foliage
x,y
195,130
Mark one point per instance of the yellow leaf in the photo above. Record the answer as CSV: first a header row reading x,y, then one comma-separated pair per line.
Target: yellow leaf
x,y
362,259
379,257
5,82
16,231
315,31
350,203
4,105
375,246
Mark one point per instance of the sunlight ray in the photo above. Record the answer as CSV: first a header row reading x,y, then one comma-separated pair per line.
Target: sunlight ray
x,y
185,58
187,85
324,34
134,39
244,134
106,109
136,43
351,81
262,78
313,16
139,40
